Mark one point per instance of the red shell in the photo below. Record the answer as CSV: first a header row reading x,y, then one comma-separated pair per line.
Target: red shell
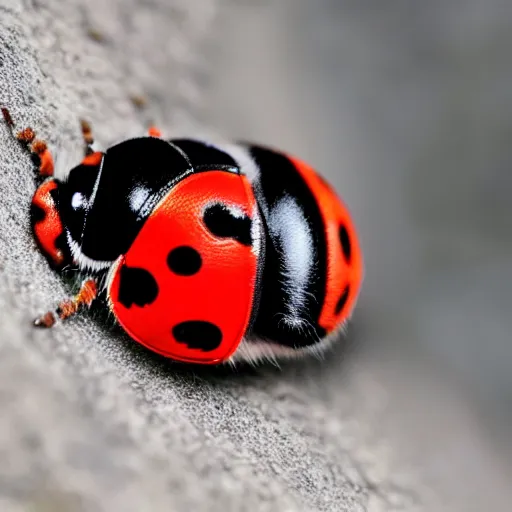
x,y
220,293
344,272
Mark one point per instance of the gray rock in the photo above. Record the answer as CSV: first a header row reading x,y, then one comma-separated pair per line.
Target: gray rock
x,y
89,421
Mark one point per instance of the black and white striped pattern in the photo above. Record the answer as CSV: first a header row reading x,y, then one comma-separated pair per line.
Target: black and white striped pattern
x,y
294,277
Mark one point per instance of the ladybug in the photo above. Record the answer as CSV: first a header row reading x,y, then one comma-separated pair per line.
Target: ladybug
x,y
203,253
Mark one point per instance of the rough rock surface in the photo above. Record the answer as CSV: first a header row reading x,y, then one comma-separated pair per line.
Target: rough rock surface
x,y
91,422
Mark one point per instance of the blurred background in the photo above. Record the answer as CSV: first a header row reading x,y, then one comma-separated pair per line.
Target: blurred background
x,y
407,108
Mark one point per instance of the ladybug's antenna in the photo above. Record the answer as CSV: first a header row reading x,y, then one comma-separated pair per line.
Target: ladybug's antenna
x,y
87,136
7,117
38,148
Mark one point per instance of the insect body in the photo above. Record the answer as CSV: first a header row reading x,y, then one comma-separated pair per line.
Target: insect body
x,y
203,253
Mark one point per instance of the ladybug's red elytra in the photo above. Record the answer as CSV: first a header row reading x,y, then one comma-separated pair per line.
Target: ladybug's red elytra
x,y
203,253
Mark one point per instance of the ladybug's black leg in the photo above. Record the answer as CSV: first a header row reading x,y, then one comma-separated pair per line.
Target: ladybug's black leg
x,y
86,295
38,148
87,137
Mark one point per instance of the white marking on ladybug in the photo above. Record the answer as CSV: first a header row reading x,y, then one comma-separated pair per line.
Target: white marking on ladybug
x,y
256,231
138,197
78,201
288,224
83,261
96,183
235,211
255,351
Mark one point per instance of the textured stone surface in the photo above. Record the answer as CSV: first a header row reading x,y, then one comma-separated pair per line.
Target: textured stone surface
x,y
91,422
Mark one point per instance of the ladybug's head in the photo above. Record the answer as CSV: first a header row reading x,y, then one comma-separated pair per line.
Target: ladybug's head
x,y
59,210
100,208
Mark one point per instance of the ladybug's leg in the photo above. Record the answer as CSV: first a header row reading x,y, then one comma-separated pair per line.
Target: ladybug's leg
x,y
39,150
153,131
86,295
88,137
37,147
7,118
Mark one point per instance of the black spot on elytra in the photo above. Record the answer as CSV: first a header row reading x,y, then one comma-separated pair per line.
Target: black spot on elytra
x,y
342,300
197,334
222,223
184,261
345,243
37,214
137,287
